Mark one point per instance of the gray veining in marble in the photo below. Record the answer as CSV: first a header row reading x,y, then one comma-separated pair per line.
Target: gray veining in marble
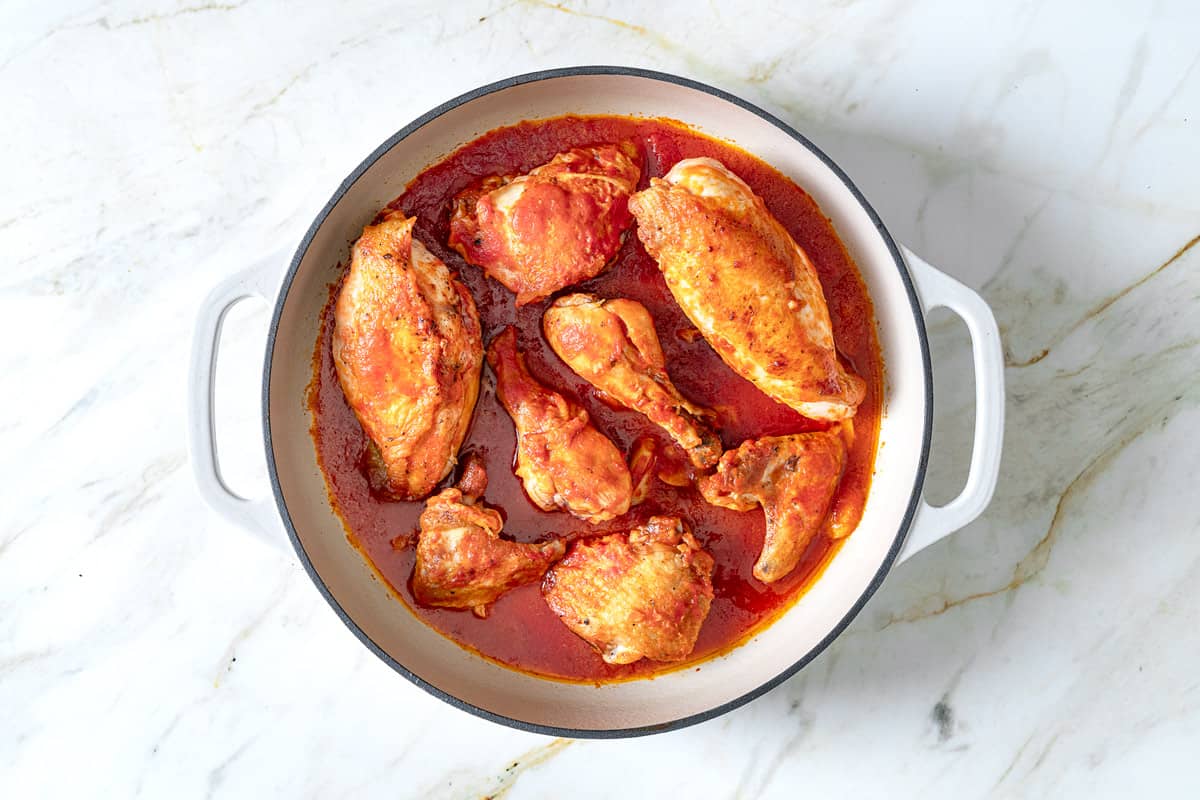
x,y
1045,153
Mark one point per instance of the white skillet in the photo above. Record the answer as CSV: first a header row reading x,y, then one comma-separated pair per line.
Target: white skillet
x,y
896,521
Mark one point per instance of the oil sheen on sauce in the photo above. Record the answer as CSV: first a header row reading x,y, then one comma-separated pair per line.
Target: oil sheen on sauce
x,y
521,631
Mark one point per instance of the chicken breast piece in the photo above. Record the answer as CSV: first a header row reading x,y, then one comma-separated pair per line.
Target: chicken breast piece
x,y
793,478
641,594
746,285
612,345
560,224
461,560
408,351
563,461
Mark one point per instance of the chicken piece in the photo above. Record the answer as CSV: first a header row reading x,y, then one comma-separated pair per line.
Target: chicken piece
x,y
612,345
560,224
746,285
461,560
793,478
562,459
408,350
641,594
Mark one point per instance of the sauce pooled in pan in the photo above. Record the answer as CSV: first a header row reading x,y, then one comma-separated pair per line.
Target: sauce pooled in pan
x,y
520,630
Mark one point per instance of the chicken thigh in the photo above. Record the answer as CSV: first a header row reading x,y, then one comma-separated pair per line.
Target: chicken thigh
x,y
560,224
461,560
563,461
793,478
408,350
641,594
746,285
612,345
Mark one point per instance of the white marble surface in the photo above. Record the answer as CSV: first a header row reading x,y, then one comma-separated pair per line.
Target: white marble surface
x,y
1047,154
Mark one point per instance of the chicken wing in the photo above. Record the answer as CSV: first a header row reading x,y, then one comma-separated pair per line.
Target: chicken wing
x,y
561,223
562,459
408,350
612,345
461,560
641,594
793,478
746,285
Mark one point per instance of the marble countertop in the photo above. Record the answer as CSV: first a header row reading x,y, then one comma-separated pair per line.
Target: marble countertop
x,y
1046,154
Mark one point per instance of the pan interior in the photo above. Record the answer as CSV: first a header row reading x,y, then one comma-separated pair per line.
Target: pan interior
x,y
368,606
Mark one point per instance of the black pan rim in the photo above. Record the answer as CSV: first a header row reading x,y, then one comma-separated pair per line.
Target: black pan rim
x,y
723,708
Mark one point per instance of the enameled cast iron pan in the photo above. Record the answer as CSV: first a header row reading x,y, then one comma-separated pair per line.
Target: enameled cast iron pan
x,y
896,521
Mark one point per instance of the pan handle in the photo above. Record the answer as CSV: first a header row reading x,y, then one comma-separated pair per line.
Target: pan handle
x,y
256,515
936,522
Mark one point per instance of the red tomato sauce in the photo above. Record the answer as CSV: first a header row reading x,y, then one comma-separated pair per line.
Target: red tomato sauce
x,y
521,632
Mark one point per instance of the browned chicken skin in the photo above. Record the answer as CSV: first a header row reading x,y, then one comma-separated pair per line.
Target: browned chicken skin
x,y
560,224
563,461
408,350
746,285
643,458
461,560
612,345
793,478
641,594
